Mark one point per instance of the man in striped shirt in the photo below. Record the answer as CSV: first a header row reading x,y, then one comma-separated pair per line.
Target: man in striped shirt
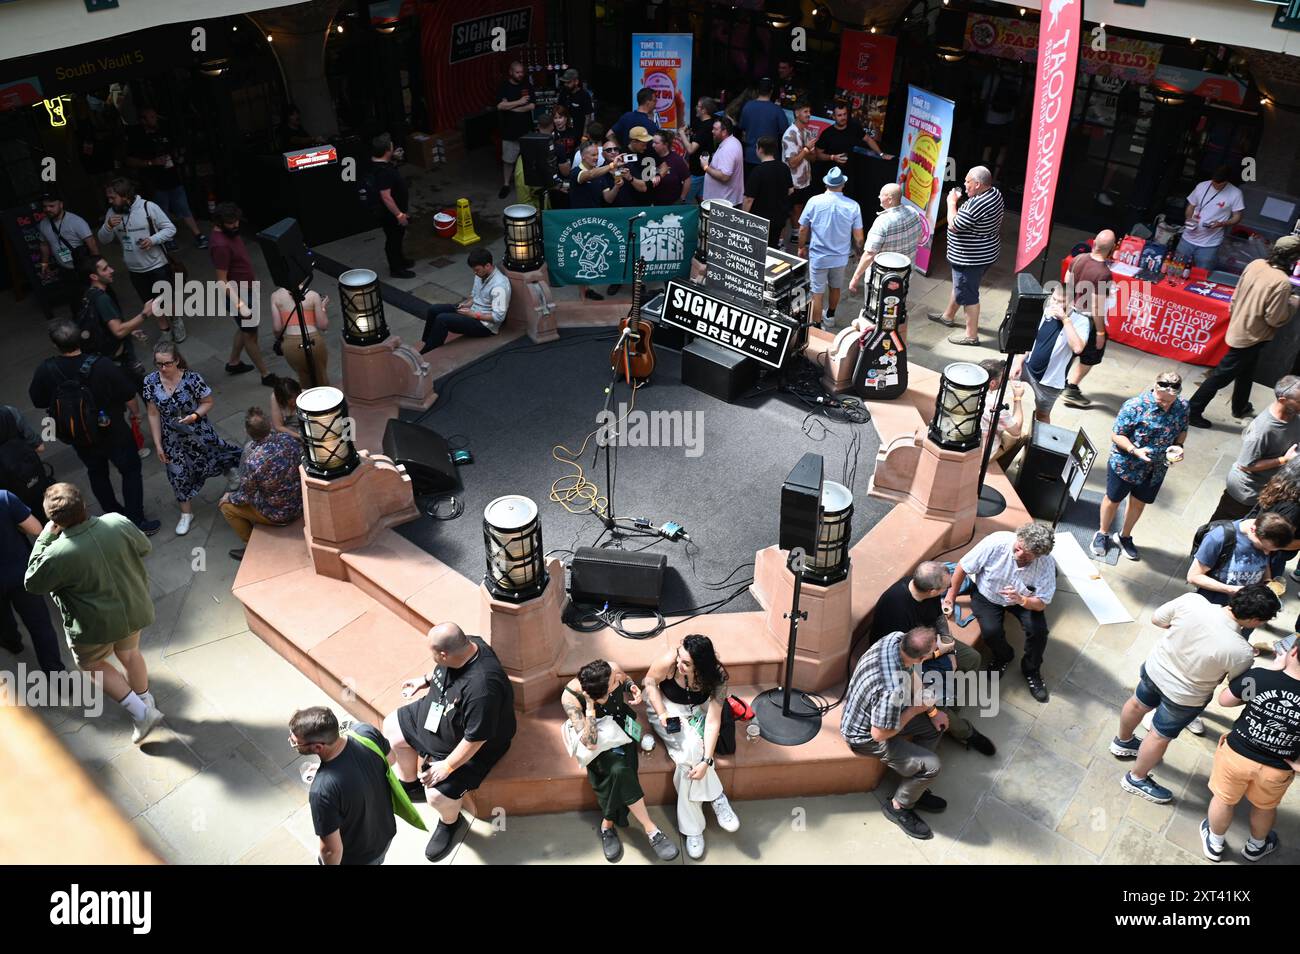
x,y
974,240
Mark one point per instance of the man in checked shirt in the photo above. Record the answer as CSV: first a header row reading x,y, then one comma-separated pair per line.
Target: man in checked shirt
x,y
1015,573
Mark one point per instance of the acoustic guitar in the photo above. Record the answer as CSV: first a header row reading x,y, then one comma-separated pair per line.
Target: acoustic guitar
x,y
636,356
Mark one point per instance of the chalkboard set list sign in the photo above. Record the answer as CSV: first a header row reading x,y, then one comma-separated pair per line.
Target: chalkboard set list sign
x,y
736,254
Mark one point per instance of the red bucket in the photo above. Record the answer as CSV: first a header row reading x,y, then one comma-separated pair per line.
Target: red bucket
x,y
444,223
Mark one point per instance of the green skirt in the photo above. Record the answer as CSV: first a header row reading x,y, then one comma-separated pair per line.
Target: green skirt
x,y
613,778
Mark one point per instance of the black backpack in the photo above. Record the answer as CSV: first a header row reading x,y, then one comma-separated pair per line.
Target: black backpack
x,y
1229,542
95,336
75,410
22,472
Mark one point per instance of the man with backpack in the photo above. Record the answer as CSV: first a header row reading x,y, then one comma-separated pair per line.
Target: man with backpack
x,y
1203,647
106,331
86,396
1231,554
142,228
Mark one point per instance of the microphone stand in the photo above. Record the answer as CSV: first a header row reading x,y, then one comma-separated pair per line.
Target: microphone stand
x,y
625,342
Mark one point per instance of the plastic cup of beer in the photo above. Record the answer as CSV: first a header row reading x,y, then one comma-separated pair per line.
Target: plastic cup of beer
x,y
752,731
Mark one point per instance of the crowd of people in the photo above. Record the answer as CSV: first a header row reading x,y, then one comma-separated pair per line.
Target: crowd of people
x,y
441,746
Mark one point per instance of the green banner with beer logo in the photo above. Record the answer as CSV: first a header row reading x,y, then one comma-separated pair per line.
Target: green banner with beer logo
x,y
589,246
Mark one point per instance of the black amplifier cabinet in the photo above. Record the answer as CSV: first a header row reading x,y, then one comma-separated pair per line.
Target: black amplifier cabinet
x,y
665,336
621,577
716,370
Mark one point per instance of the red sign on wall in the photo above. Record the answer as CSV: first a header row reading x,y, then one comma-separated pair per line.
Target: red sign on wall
x,y
866,63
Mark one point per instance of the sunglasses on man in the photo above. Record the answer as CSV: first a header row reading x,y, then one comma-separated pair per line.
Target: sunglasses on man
x,y
1169,387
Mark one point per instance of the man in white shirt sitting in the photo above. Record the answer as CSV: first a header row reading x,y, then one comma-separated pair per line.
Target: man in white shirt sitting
x,y
1062,336
481,314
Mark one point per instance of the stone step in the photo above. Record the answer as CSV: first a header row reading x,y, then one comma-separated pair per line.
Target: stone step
x,y
537,776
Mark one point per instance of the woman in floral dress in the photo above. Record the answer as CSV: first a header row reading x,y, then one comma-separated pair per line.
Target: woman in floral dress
x,y
187,444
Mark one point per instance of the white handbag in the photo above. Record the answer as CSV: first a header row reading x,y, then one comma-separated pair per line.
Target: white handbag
x,y
609,735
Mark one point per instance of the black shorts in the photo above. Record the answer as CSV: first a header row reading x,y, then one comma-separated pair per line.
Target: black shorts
x,y
801,196
411,719
1091,354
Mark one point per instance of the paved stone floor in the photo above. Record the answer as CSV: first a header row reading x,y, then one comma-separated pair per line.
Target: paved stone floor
x,y
218,783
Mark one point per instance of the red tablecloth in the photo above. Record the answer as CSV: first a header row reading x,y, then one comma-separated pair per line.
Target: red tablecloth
x,y
1167,320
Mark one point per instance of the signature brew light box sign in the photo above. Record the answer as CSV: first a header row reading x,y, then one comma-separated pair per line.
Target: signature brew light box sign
x,y
749,332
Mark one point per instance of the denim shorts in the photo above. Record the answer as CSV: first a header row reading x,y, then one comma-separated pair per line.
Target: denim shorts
x,y
1170,718
174,202
966,283
1117,488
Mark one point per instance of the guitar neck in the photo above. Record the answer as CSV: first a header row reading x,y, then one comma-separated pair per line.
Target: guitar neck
x,y
638,284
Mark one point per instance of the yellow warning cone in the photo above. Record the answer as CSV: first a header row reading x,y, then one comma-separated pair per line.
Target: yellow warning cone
x,y
465,233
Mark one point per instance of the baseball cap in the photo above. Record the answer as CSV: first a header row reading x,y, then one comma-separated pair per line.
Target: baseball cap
x,y
1287,244
835,178
639,134
568,76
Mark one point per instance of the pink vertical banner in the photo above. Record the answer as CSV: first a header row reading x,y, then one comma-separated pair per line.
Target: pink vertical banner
x,y
1058,60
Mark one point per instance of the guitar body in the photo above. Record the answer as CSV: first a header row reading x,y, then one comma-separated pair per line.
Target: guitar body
x,y
635,358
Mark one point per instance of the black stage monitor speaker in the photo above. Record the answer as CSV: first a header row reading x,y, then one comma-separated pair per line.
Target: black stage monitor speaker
x,y
1024,313
287,257
719,371
540,166
801,498
623,577
423,453
1041,484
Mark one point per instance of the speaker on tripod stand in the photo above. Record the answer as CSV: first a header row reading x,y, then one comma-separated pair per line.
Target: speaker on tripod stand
x,y
1015,336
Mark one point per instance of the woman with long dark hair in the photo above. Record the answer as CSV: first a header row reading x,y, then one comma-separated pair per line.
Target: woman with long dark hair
x,y
602,693
686,689
1281,495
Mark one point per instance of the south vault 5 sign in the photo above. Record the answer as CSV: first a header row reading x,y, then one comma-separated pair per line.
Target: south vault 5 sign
x,y
757,336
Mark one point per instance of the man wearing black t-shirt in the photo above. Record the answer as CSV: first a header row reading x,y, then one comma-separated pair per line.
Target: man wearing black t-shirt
x,y
769,189
445,744
156,154
114,444
1257,760
351,802
515,107
394,199
845,144
917,601
575,98
698,140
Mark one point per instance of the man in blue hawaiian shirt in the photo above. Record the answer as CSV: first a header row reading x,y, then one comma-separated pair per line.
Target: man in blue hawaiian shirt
x,y
1147,437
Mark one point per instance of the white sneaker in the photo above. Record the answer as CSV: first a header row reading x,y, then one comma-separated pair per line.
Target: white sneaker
x,y
183,524
178,329
727,819
695,847
232,479
144,726
1196,726
147,699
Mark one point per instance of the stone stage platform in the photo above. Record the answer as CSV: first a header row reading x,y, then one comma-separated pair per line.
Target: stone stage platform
x,y
354,623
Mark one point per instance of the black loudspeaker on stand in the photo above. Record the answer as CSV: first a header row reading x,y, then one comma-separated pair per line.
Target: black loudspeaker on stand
x,y
540,164
783,719
290,264
1016,336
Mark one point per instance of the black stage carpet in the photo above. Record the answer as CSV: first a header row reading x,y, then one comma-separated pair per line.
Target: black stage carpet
x,y
513,405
